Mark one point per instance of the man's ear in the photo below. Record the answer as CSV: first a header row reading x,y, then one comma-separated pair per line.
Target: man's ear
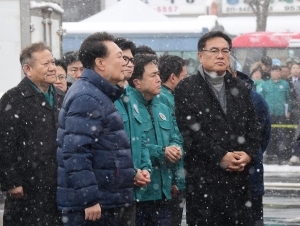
x,y
200,56
27,70
136,83
100,63
172,78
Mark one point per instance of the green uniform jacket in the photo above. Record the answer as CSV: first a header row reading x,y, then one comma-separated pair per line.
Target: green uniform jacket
x,y
160,133
139,151
276,94
167,97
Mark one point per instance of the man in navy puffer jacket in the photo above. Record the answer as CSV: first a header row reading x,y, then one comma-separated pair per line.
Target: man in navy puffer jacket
x,y
95,173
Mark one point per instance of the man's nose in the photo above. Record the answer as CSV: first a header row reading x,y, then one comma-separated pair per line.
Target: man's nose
x,y
158,78
52,67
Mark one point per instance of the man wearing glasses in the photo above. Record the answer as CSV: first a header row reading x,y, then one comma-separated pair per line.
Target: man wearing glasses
x,y
221,132
61,75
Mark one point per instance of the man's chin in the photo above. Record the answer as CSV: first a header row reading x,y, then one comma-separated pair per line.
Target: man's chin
x,y
50,81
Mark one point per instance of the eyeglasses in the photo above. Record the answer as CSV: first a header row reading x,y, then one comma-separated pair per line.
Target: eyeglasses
x,y
127,59
61,77
216,51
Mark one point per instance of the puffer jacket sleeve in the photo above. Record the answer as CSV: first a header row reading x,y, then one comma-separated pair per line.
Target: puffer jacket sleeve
x,y
79,126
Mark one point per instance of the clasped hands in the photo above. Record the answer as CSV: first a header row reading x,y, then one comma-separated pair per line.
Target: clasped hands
x,y
235,161
141,178
173,153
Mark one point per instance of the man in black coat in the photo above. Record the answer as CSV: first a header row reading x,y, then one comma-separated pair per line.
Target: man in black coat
x,y
221,132
292,147
28,146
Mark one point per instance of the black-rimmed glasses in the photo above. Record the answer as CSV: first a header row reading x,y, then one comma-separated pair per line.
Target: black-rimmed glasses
x,y
127,59
216,51
61,77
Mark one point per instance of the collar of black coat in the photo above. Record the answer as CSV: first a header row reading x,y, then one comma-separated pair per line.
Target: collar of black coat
x,y
113,92
28,90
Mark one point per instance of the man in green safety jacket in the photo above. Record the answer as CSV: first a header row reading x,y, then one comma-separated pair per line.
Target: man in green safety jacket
x,y
172,70
277,94
162,141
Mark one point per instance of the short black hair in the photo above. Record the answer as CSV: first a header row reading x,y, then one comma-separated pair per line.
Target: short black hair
x,y
59,62
141,60
266,60
70,57
93,47
169,64
284,66
294,63
275,67
143,49
213,34
125,44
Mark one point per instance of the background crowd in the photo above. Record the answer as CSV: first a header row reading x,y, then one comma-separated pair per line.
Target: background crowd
x,y
278,83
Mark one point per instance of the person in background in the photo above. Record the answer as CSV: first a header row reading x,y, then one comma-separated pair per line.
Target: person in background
x,y
140,153
74,66
294,83
172,70
95,174
128,48
28,170
222,136
162,141
285,72
292,60
276,92
61,75
295,159
143,49
265,66
255,74
276,62
257,170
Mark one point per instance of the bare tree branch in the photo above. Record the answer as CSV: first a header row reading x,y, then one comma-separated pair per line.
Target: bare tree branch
x,y
260,9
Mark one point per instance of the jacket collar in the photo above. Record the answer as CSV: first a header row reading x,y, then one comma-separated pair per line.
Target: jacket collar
x,y
227,78
27,90
102,84
139,96
168,90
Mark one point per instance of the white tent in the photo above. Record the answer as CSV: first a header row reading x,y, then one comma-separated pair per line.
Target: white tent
x,y
127,11
207,22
